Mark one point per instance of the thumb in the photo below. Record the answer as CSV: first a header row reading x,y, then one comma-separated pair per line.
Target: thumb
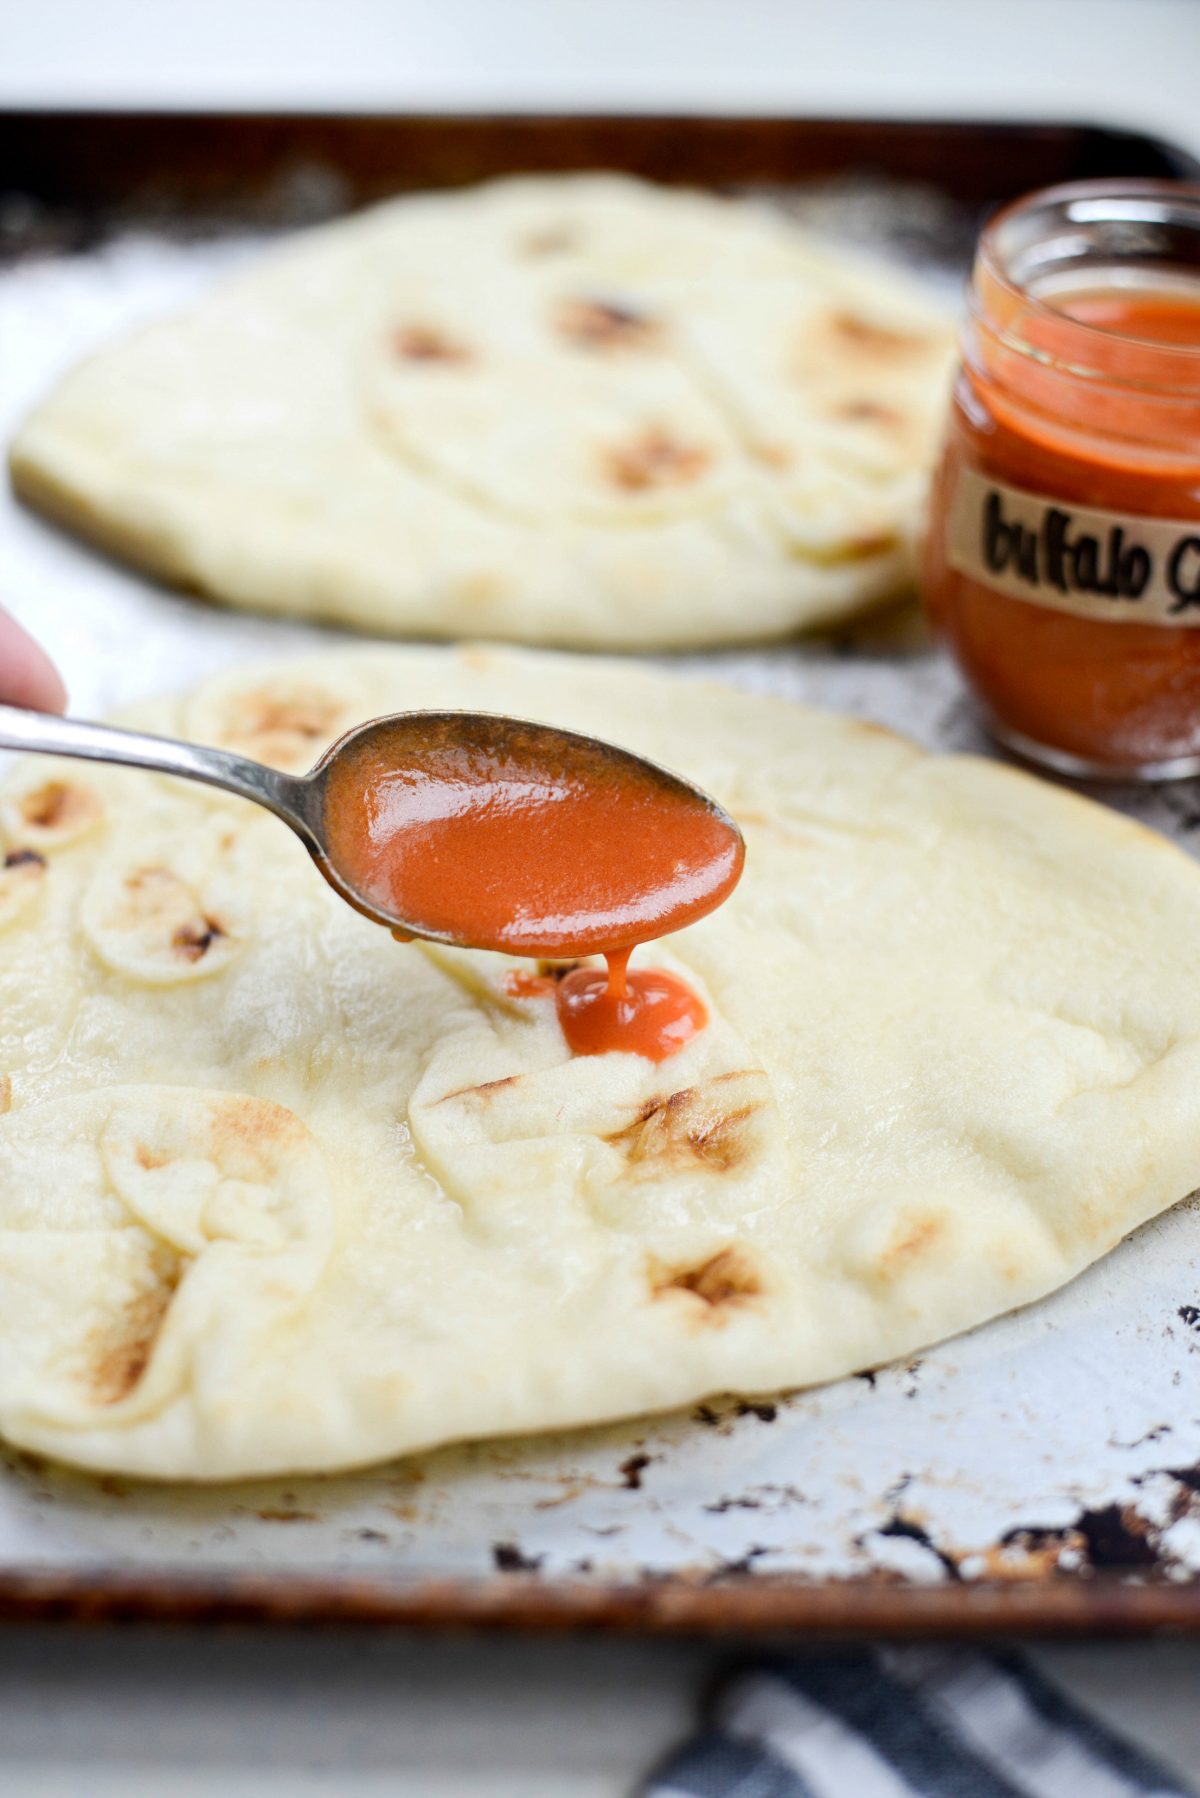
x,y
27,675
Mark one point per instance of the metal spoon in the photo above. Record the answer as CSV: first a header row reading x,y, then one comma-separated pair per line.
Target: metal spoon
x,y
300,800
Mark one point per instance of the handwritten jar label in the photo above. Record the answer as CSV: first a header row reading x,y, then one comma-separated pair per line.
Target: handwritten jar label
x,y
1113,565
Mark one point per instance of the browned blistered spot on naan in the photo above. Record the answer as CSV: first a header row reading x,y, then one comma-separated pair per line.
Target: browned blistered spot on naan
x,y
655,458
557,970
484,1090
21,874
155,896
861,549
58,805
868,412
148,889
605,325
148,1158
881,342
194,939
483,589
284,721
426,343
721,1143
773,455
282,727
121,1354
913,1236
308,716
551,240
713,1124
242,1121
728,1278
5,1093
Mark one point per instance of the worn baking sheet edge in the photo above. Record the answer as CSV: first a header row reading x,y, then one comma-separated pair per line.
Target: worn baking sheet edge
x,y
678,1604
757,1607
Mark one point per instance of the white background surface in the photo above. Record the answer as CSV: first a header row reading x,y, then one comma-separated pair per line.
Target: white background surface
x,y
1123,61
251,1713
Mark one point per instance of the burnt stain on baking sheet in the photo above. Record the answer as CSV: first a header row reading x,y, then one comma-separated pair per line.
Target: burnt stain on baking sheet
x,y
906,1528
43,1481
911,1374
1112,1537
768,1497
1111,1540
1118,1536
1153,1435
509,1557
1027,1555
631,1471
741,1568
1187,1477
906,1371
726,1414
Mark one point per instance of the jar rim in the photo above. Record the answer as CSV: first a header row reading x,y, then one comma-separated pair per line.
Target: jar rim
x,y
1091,345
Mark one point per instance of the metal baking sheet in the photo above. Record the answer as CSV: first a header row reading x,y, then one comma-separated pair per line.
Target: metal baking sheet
x,y
1041,1473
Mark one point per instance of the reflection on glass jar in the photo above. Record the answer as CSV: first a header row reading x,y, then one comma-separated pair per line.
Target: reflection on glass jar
x,y
1063,560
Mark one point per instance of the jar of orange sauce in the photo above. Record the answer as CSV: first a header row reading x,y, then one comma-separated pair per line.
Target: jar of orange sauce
x,y
1062,564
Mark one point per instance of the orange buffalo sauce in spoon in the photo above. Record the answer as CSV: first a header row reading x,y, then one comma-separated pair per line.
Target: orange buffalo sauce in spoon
x,y
494,833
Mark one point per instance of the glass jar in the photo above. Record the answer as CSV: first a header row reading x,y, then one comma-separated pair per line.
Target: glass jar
x,y
1062,565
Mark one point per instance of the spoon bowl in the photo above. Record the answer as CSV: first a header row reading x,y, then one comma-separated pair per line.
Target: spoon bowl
x,y
467,828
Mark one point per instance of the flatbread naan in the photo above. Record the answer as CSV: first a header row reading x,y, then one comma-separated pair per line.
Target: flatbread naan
x,y
575,410
277,1193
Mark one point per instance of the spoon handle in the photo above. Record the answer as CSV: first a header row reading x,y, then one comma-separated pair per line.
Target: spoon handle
x,y
285,795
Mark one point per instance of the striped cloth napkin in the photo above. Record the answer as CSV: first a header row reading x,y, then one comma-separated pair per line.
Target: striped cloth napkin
x,y
896,1722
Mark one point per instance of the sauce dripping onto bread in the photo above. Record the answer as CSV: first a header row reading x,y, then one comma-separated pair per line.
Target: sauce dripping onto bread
x,y
508,836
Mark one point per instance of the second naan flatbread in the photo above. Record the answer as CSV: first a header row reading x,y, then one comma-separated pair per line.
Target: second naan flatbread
x,y
581,410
